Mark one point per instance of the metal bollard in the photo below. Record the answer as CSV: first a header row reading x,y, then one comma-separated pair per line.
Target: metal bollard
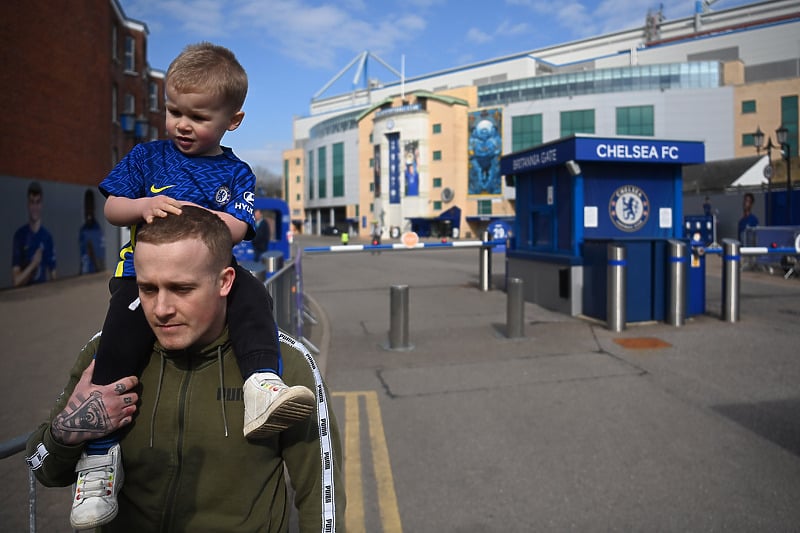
x,y
676,307
615,287
515,308
485,265
272,262
731,264
398,320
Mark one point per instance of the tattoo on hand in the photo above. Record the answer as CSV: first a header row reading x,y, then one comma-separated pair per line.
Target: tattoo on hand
x,y
119,388
88,416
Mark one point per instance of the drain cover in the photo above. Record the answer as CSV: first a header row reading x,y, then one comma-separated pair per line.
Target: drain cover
x,y
642,343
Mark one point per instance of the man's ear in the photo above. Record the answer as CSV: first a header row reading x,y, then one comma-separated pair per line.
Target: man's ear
x,y
226,278
236,120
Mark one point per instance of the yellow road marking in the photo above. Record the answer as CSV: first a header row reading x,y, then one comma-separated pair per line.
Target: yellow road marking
x,y
387,498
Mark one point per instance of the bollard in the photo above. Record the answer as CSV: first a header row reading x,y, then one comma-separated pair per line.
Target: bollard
x,y
485,264
731,264
676,306
398,320
515,308
273,261
615,287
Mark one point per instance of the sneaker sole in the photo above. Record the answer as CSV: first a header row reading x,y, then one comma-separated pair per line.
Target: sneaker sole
x,y
294,407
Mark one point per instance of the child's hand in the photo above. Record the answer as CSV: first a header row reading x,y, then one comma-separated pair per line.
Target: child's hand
x,y
159,206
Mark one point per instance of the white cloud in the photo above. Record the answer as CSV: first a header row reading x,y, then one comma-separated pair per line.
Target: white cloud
x,y
475,35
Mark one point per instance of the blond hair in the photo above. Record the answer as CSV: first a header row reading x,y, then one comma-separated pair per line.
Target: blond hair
x,y
207,67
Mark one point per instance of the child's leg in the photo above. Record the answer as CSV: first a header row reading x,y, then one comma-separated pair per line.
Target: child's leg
x,y
253,332
124,344
127,338
270,406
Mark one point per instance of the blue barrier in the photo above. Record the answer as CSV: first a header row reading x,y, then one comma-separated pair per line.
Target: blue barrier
x,y
401,246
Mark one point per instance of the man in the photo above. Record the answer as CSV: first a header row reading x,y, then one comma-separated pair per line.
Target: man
x,y
187,465
33,254
261,240
91,242
748,220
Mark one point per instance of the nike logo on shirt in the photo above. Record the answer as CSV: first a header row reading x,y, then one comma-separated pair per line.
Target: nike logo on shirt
x,y
156,190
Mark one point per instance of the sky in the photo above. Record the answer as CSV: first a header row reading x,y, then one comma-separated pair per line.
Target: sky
x,y
292,48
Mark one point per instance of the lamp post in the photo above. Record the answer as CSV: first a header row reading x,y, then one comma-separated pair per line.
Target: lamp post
x,y
758,140
782,135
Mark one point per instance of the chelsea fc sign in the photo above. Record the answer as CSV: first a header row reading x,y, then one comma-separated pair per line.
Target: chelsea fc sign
x,y
629,208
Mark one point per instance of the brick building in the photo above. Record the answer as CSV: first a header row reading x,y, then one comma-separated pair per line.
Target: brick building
x,y
78,94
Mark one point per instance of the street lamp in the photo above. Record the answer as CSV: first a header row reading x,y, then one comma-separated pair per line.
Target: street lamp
x,y
782,135
758,140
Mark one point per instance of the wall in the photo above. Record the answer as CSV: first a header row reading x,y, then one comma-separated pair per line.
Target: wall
x,y
62,215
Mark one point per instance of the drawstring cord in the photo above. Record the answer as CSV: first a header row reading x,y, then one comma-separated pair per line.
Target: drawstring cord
x,y
158,395
222,388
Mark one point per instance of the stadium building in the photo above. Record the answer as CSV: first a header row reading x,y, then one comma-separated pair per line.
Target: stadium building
x,y
421,153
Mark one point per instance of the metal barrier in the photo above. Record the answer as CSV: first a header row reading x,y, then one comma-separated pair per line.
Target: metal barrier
x,y
398,318
731,265
515,308
615,287
485,258
678,258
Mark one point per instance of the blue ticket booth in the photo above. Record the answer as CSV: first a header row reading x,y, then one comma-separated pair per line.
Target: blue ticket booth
x,y
576,195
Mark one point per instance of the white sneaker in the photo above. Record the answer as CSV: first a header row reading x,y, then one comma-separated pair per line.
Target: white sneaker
x,y
99,479
270,406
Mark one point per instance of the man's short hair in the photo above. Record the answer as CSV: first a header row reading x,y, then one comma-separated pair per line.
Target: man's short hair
x,y
34,189
206,67
193,223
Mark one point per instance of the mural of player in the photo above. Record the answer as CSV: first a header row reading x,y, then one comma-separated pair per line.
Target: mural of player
x,y
485,148
410,168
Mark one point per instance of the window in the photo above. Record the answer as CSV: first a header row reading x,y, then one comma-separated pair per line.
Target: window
x,y
130,54
437,182
372,186
297,179
371,162
748,139
371,208
114,114
311,174
636,120
358,211
114,51
322,172
437,205
370,138
581,121
748,106
437,155
338,169
153,96
296,160
526,131
130,104
437,128
297,197
484,207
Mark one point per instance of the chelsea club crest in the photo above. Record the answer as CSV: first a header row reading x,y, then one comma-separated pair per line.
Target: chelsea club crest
x,y
629,208
223,195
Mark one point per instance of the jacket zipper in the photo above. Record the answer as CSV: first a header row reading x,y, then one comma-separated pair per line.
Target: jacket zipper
x,y
173,491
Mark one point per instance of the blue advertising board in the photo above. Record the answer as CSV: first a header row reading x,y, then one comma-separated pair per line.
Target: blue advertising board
x,y
599,149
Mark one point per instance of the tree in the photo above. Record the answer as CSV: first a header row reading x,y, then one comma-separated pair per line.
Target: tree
x,y
268,183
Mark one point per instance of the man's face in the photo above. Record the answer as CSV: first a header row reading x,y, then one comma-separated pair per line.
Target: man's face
x,y
196,122
183,296
34,207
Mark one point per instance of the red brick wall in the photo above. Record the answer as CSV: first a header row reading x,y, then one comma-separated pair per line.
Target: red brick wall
x,y
56,75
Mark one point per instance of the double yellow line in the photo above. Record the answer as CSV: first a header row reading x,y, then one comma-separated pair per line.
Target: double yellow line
x,y
387,499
